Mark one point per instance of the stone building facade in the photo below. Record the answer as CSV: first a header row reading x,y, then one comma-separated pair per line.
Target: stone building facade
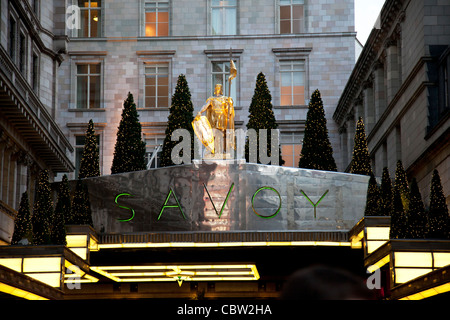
x,y
142,46
400,87
32,37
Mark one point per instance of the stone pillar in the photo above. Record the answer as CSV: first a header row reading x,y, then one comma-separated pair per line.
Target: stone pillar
x,y
379,90
392,69
369,108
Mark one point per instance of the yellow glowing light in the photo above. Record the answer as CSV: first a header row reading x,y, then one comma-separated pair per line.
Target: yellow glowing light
x,y
403,275
19,292
377,233
377,265
374,245
413,259
12,263
429,292
76,241
52,279
441,259
45,264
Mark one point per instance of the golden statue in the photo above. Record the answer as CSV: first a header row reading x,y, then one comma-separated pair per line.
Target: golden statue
x,y
220,116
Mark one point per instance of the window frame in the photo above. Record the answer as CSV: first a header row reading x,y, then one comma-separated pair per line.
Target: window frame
x,y
291,71
225,75
160,6
35,70
294,141
78,33
88,75
222,9
157,65
291,19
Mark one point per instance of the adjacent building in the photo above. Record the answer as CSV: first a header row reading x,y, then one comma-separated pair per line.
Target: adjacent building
x,y
400,88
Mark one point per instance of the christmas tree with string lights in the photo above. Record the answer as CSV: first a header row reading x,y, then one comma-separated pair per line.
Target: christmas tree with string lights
x,y
438,217
129,151
81,206
402,183
22,223
398,216
386,194
42,211
63,209
90,164
317,152
361,158
261,116
417,219
373,198
180,117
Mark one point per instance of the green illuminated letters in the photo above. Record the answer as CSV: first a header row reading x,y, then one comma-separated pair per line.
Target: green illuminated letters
x,y
132,211
171,206
224,203
279,207
314,204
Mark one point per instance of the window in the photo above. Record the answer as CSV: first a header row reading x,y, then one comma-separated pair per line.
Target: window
x,y
291,16
90,11
34,72
12,38
88,86
79,147
156,19
153,153
219,75
223,17
292,74
157,85
290,150
22,53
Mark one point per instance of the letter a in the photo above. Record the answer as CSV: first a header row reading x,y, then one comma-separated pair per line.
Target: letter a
x,y
171,206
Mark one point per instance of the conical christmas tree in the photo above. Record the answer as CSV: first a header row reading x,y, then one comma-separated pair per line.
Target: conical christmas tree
x,y
373,198
42,211
261,116
417,220
180,117
317,152
89,166
81,206
361,158
401,182
129,151
386,193
398,217
62,210
438,217
22,223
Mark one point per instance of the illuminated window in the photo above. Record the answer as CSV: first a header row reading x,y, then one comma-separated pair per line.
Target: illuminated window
x,y
290,149
219,75
223,17
88,85
79,147
292,75
156,19
291,16
157,85
90,11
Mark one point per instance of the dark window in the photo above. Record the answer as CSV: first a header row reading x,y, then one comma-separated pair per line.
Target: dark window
x,y
12,38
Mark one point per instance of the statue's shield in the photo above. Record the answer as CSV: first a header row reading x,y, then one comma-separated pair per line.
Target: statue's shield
x,y
204,132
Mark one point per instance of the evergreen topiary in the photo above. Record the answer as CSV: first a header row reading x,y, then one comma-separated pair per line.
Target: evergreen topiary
x,y
129,151
261,116
373,198
22,223
438,217
361,158
401,182
386,193
42,211
81,206
63,209
180,117
90,164
417,220
398,216
317,152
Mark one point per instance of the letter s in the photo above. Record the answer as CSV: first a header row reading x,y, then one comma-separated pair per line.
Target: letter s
x,y
123,207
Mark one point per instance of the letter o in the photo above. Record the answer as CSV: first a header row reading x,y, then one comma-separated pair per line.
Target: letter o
x,y
253,198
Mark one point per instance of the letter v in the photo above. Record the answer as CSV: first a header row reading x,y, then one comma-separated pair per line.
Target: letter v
x,y
224,203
